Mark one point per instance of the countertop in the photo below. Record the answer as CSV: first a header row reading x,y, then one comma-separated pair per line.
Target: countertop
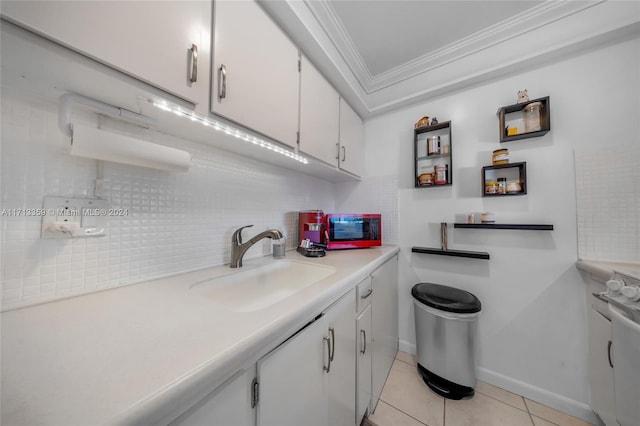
x,y
603,269
141,354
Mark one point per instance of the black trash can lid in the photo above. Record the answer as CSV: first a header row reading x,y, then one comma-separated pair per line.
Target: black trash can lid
x,y
446,298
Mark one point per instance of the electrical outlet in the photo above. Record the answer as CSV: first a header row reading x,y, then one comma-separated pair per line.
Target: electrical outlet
x,y
67,217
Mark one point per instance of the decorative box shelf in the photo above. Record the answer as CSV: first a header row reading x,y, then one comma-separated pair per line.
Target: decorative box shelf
x,y
513,114
425,162
514,172
504,226
453,253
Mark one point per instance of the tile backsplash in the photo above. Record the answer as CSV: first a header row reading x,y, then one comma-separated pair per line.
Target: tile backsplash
x,y
608,202
175,222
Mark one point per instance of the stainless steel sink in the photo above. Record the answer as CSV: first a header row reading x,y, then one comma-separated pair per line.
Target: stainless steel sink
x,y
258,287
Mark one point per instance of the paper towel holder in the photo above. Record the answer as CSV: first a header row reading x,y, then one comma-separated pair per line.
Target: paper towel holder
x,y
64,112
172,159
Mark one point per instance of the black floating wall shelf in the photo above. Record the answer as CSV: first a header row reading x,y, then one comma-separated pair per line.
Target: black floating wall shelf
x,y
504,226
454,253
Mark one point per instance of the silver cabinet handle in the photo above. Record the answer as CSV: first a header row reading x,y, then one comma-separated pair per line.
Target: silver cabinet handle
x,y
327,367
609,353
367,295
344,153
222,82
194,64
333,344
337,151
364,341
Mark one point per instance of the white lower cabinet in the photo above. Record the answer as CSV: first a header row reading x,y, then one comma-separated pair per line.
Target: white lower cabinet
x,y
310,378
363,367
342,377
329,373
293,381
384,319
228,405
601,374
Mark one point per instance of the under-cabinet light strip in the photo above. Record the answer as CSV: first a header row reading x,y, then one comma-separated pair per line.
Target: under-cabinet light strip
x,y
229,130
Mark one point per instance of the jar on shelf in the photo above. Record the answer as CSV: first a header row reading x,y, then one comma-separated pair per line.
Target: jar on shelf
x,y
502,185
441,174
491,187
500,156
433,145
531,114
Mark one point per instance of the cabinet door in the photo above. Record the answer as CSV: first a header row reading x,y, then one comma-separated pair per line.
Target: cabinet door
x,y
363,367
342,378
601,375
228,405
384,311
150,40
351,153
293,383
319,115
255,78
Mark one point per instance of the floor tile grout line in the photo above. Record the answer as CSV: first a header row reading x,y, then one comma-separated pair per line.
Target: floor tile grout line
x,y
404,412
444,412
408,363
526,410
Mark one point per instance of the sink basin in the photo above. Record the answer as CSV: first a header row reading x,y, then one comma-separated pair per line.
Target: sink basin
x,y
257,287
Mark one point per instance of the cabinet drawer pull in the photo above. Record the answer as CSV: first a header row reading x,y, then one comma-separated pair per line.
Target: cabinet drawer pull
x,y
344,153
327,367
194,64
222,82
609,353
333,343
364,296
364,341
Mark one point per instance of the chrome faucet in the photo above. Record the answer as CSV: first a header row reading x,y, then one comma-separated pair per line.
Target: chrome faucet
x,y
238,249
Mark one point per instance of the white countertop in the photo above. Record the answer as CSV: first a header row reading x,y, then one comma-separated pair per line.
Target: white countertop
x,y
140,354
604,269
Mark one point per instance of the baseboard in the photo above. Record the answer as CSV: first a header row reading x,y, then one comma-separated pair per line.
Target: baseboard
x,y
543,396
407,347
561,403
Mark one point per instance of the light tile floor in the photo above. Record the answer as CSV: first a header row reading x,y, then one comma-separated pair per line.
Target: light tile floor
x,y
407,401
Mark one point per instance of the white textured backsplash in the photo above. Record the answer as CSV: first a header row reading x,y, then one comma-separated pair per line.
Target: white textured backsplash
x,y
608,202
175,222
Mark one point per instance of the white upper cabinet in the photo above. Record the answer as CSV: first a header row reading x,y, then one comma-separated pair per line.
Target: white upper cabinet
x,y
319,115
163,43
255,77
351,154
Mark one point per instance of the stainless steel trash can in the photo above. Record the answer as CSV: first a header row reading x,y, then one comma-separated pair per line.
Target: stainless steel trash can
x,y
446,323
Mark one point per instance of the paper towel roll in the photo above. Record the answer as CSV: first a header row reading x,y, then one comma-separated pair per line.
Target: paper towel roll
x,y
98,144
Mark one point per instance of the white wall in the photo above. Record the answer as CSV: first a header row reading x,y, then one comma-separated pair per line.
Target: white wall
x,y
532,333
176,221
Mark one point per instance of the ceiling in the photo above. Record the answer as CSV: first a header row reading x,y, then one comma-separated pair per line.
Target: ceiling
x,y
389,34
385,54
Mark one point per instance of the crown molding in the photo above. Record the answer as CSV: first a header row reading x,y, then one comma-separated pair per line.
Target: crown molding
x,y
518,25
549,31
327,17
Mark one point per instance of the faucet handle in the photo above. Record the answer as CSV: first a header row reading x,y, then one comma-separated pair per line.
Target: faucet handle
x,y
237,235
